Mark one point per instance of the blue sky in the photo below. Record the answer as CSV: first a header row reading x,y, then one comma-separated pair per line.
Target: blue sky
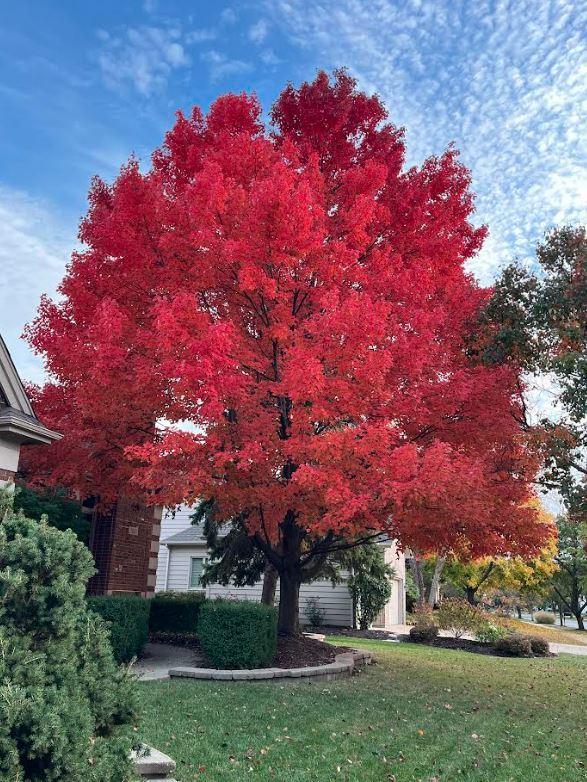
x,y
83,85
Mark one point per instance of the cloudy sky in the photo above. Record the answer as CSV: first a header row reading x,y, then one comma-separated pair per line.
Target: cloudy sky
x,y
82,85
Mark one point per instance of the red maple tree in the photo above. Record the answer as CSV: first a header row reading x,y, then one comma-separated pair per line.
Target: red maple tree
x,y
302,301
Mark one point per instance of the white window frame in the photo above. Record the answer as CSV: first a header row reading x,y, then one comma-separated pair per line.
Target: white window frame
x,y
199,588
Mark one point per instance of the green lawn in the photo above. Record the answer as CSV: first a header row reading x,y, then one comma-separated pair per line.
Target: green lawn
x,y
418,714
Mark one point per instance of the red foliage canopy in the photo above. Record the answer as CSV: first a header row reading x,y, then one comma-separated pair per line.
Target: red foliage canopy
x,y
302,301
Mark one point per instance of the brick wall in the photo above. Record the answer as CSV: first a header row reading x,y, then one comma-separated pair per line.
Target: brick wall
x,y
6,475
125,542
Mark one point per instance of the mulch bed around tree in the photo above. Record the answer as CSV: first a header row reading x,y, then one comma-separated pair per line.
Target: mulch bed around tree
x,y
292,652
464,645
373,635
301,652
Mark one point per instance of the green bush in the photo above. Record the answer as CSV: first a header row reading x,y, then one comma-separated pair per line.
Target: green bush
x,y
515,644
459,617
127,618
424,633
539,646
490,633
238,634
175,612
544,618
314,611
66,708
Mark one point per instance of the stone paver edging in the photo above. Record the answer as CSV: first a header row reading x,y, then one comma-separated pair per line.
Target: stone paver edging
x,y
151,764
344,664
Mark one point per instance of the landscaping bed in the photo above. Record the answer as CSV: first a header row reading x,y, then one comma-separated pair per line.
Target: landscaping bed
x,y
373,635
466,645
298,652
301,652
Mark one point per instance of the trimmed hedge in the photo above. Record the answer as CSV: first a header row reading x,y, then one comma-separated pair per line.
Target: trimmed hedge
x,y
539,646
238,634
515,644
128,622
175,612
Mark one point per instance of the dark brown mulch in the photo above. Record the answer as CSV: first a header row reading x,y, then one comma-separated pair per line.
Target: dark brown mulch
x,y
374,635
300,652
464,645
175,639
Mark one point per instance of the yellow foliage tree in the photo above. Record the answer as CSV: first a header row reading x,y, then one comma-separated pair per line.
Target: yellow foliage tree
x,y
526,577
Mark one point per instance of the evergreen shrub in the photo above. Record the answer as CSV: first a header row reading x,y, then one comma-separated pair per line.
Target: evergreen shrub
x,y
66,707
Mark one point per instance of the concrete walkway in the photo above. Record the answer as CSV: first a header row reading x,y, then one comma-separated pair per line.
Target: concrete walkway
x,y
157,659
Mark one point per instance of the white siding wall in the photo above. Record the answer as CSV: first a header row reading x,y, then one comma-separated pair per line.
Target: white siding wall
x,y
9,452
335,601
170,524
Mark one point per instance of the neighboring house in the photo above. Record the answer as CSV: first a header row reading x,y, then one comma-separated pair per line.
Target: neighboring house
x,y
18,423
183,552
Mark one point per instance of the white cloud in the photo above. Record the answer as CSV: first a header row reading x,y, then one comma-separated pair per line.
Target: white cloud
x,y
229,16
506,81
201,35
269,57
35,246
258,32
222,67
142,57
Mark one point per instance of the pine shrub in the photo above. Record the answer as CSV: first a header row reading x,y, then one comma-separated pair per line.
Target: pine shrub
x,y
175,612
127,618
66,708
238,634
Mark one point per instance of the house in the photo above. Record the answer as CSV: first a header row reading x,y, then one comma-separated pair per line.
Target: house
x,y
18,423
183,552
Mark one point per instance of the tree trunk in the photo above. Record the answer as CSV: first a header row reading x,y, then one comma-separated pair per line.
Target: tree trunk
x,y
470,593
580,622
289,603
435,585
269,585
416,568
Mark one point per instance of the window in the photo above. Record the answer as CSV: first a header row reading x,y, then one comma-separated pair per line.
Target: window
x,y
196,570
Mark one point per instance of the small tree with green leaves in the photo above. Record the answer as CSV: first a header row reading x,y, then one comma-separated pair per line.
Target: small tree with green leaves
x,y
66,708
369,582
569,583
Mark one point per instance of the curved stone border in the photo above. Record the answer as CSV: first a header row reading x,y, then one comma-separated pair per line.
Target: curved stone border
x,y
344,664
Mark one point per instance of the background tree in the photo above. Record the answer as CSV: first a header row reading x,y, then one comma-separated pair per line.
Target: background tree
x,y
510,574
538,319
569,584
515,575
303,302
61,510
